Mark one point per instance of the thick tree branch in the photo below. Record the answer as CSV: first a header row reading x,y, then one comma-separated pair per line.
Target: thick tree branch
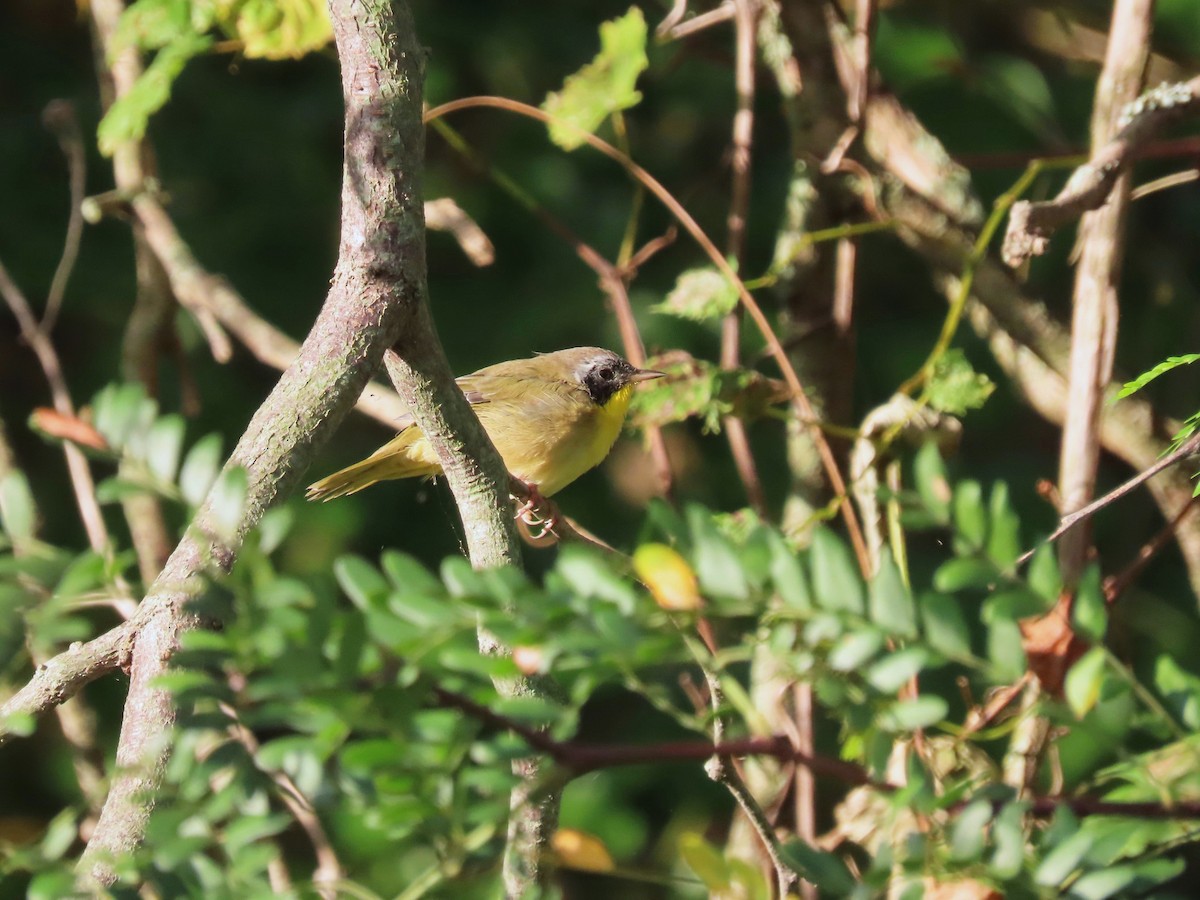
x,y
1095,307
374,297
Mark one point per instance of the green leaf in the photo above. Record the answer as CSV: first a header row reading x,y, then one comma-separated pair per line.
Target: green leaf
x,y
1004,532
1089,612
200,469
53,884
929,472
855,649
914,51
698,389
970,517
944,626
699,295
825,870
1008,837
1084,681
188,685
963,572
1061,862
117,409
406,573
1019,86
589,575
1126,881
890,601
1006,649
602,87
1013,604
361,581
1180,690
1171,362
163,447
424,612
954,387
246,830
969,833
705,860
228,502
910,715
836,581
896,669
717,563
127,118
1044,576
18,511
273,528
61,834
276,29
787,574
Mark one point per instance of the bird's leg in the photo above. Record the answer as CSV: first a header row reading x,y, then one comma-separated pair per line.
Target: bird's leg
x,y
535,510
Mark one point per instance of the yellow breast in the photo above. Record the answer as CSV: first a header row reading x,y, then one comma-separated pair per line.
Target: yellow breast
x,y
554,437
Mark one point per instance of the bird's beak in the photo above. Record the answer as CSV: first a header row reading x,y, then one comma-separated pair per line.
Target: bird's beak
x,y
645,375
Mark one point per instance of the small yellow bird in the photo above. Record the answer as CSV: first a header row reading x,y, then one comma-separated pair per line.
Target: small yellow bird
x,y
552,418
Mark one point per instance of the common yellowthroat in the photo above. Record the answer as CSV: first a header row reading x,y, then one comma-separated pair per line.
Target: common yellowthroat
x,y
552,418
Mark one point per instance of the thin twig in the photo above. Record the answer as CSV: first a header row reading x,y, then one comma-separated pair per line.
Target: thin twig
x,y
746,20
674,28
81,475
1031,224
444,214
1188,448
329,869
1116,585
801,403
59,116
1095,301
215,295
722,769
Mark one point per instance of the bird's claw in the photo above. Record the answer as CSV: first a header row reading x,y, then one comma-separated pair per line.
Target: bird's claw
x,y
537,511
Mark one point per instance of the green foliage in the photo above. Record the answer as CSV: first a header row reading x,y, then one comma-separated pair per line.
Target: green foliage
x,y
604,86
1192,423
700,295
956,388
1171,362
698,389
178,31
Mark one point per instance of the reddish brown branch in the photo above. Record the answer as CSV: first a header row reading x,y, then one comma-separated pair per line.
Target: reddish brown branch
x,y
581,758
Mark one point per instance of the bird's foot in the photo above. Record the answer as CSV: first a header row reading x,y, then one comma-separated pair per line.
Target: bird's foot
x,y
535,511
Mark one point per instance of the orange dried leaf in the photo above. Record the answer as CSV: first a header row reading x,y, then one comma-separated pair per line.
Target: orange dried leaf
x,y
67,428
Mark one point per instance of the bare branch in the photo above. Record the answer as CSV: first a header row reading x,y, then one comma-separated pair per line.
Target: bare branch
x,y
374,298
1030,225
444,214
81,475
59,116
1095,306
61,677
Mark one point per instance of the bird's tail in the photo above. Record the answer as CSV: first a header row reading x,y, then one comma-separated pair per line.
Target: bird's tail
x,y
389,461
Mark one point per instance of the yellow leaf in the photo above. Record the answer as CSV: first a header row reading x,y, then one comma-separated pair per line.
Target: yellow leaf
x,y
579,850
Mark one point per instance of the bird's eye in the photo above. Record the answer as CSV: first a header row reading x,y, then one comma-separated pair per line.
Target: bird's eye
x,y
606,374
